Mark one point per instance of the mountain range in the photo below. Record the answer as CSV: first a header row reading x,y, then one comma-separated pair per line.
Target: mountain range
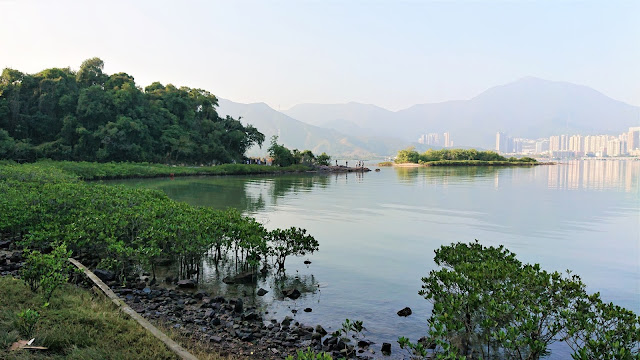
x,y
528,108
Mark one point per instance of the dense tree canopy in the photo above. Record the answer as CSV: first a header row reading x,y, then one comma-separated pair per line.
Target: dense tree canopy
x,y
410,155
89,115
282,156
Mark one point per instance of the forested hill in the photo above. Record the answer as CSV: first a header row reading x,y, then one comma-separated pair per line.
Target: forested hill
x,y
89,115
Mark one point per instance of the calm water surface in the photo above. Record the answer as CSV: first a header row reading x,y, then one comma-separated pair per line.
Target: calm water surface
x,y
377,232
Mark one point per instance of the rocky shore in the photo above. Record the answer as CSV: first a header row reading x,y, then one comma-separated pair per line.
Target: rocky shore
x,y
340,169
215,322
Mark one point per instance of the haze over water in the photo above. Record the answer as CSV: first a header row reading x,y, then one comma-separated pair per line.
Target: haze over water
x,y
378,231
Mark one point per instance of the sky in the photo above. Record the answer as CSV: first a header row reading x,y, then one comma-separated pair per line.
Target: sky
x,y
393,54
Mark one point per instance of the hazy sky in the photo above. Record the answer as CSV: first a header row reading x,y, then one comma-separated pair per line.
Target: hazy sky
x,y
389,53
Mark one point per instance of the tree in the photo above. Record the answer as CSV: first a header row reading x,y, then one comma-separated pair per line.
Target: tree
x,y
292,241
90,115
90,72
487,304
323,159
47,271
280,154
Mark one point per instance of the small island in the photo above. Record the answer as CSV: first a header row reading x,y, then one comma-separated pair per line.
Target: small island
x,y
409,157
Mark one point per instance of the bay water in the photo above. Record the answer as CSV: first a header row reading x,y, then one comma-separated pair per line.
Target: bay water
x,y
378,232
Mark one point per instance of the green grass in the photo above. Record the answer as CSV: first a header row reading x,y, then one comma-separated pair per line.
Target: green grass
x,y
76,325
102,171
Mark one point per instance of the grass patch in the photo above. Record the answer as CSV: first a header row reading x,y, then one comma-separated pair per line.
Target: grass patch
x,y
124,170
77,325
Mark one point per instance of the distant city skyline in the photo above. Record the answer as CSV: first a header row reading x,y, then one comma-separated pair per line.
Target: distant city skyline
x,y
574,145
391,54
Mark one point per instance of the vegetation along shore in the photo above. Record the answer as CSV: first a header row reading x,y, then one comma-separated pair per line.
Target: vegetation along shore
x,y
409,157
60,128
125,234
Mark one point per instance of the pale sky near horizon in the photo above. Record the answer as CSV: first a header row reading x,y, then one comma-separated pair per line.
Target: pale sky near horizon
x,y
389,53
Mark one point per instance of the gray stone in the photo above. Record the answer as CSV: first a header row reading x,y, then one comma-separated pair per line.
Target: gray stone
x,y
261,292
105,275
405,312
238,306
187,284
291,293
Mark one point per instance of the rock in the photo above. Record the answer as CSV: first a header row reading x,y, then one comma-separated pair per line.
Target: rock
x,y
146,290
364,343
307,262
316,337
5,244
405,312
386,348
250,316
243,277
209,313
308,310
244,336
286,321
215,339
200,294
16,256
291,293
261,292
320,330
237,308
219,300
105,275
215,322
187,284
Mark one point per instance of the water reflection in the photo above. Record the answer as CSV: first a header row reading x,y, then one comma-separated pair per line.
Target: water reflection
x,y
595,175
378,232
441,174
247,194
573,175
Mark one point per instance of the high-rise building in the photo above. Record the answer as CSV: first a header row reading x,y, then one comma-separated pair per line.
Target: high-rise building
x,y
447,140
576,144
554,143
504,144
614,147
564,142
542,146
633,139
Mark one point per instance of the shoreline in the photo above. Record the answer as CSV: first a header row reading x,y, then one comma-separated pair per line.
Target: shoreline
x,y
476,163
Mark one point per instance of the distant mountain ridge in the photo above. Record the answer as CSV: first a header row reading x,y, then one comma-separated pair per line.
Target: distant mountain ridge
x,y
299,135
529,108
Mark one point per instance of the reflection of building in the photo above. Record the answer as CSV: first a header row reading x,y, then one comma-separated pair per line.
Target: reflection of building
x,y
595,175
